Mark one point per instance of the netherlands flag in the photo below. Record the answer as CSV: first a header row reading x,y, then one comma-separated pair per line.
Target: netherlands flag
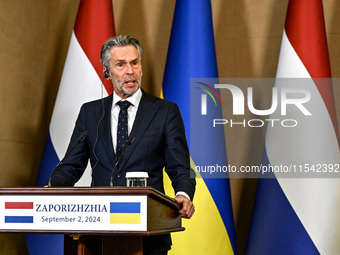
x,y
301,215
19,212
81,82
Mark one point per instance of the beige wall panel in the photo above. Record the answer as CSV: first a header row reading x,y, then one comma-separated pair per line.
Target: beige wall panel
x,y
23,44
23,62
334,52
21,160
258,57
23,41
259,18
332,17
333,49
226,57
224,19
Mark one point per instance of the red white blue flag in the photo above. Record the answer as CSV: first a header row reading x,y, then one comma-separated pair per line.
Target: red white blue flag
x,y
19,212
81,82
301,215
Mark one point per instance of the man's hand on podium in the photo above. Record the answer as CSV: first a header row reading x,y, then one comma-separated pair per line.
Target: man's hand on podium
x,y
187,207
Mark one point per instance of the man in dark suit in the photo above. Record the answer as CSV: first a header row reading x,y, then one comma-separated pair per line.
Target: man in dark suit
x,y
155,123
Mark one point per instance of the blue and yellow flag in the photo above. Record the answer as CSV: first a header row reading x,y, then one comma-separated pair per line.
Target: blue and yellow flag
x,y
125,213
191,54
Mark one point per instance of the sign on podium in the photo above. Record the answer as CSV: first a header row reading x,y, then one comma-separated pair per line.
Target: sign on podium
x,y
118,213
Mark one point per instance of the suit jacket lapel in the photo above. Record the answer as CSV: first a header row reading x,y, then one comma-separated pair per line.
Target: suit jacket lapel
x,y
105,131
146,111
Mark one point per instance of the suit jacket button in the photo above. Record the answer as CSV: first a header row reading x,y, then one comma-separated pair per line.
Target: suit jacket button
x,y
119,175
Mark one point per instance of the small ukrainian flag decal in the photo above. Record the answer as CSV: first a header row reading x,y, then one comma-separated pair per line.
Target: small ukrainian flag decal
x,y
125,213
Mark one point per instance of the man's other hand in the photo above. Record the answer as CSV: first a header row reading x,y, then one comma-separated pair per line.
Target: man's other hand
x,y
187,207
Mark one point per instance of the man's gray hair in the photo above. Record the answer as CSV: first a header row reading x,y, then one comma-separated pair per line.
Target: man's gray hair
x,y
118,41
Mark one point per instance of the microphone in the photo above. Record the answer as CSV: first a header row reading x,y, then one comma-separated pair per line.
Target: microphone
x,y
79,140
129,141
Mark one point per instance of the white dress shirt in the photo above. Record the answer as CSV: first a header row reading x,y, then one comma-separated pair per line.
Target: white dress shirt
x,y
132,111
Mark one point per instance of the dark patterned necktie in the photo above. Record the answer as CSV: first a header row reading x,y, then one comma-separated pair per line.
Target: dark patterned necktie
x,y
122,128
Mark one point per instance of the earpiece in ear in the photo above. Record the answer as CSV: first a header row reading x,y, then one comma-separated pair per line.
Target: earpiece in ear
x,y
106,74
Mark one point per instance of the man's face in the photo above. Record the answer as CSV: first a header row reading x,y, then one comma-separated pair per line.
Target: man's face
x,y
126,70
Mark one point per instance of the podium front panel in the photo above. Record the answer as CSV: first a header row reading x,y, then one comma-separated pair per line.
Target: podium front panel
x,y
64,213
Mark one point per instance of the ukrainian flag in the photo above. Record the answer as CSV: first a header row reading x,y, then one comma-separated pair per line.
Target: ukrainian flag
x,y
191,54
125,213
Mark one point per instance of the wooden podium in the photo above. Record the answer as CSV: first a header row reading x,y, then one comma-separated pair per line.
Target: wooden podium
x,y
96,220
